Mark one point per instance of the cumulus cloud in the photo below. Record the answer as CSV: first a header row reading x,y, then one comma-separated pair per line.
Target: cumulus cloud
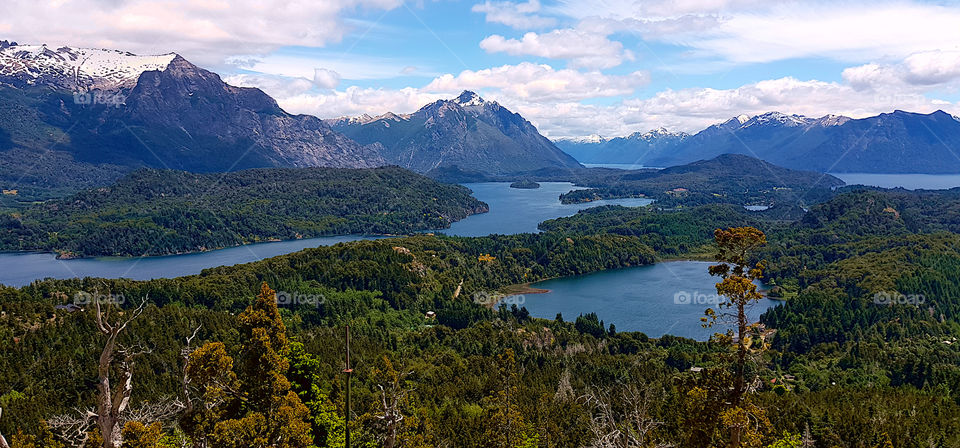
x,y
582,48
354,101
325,79
275,86
205,32
917,72
515,15
539,82
755,32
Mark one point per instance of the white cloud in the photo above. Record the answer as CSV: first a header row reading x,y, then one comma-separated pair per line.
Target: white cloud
x,y
582,48
748,31
515,15
275,86
354,101
325,79
537,82
205,32
917,72
933,67
356,67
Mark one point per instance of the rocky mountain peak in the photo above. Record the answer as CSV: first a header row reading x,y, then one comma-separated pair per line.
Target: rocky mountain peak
x,y
468,98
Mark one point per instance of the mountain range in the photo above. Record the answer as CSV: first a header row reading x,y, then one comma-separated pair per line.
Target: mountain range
x,y
76,118
107,107
467,132
897,142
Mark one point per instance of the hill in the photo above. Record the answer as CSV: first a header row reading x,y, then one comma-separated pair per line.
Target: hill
x,y
729,178
156,212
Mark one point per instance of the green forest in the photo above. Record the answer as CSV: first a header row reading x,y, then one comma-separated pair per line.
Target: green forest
x,y
159,212
863,351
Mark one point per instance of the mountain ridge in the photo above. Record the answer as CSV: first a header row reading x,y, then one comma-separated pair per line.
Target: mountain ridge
x,y
467,132
896,142
175,115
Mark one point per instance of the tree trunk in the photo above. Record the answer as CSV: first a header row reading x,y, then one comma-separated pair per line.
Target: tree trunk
x,y
106,417
740,382
3,441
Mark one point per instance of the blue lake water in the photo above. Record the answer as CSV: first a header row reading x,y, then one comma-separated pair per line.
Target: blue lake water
x,y
908,181
664,298
512,211
517,210
19,269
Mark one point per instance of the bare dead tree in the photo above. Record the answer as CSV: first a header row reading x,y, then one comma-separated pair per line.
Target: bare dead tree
x,y
392,395
160,411
73,429
623,421
113,401
185,357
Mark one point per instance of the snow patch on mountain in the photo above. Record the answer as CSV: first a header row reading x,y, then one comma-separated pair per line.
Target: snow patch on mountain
x,y
75,68
468,98
777,118
587,139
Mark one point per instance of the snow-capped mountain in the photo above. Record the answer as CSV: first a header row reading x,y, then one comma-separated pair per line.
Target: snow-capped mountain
x,y
587,139
632,149
776,118
168,113
75,68
466,132
887,143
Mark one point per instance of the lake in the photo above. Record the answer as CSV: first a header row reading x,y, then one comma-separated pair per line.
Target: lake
x,y
908,181
19,269
518,210
659,299
512,211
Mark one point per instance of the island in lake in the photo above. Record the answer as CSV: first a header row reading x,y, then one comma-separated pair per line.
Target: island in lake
x,y
525,184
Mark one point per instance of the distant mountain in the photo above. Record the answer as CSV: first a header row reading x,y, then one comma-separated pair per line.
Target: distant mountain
x,y
630,149
97,108
466,132
898,142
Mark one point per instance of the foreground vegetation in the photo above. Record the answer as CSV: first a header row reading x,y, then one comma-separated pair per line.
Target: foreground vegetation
x,y
156,212
862,354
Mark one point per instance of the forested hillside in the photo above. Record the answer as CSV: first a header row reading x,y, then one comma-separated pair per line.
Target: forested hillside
x,y
155,212
863,353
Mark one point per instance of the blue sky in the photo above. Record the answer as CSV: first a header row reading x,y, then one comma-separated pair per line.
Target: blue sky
x,y
573,68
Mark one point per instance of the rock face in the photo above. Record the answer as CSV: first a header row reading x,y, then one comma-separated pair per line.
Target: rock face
x,y
466,132
898,142
102,107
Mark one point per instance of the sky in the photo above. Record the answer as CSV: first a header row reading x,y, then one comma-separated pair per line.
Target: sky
x,y
573,68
